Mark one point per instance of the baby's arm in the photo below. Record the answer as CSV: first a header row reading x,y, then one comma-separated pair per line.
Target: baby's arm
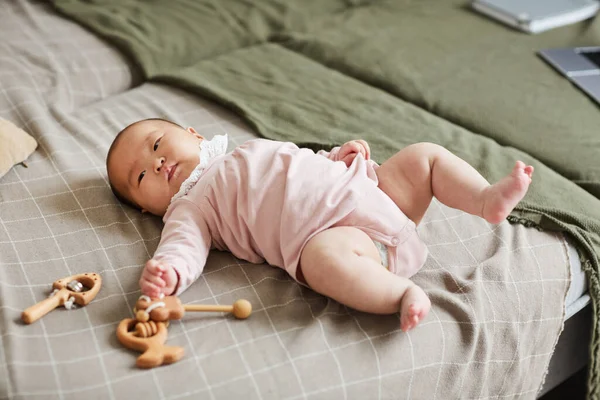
x,y
181,254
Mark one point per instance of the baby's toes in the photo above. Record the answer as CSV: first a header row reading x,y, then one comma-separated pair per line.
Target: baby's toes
x,y
529,171
414,311
410,319
519,166
405,324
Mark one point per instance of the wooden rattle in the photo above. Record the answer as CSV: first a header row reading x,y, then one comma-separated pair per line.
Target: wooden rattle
x,y
170,307
152,346
77,289
147,332
241,309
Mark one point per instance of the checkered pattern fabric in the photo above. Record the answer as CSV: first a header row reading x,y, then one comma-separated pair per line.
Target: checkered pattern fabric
x,y
497,291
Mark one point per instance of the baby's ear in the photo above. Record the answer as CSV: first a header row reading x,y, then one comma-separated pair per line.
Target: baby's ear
x,y
194,132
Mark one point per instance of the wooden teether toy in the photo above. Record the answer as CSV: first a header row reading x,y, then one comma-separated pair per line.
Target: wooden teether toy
x,y
147,332
77,289
154,351
241,309
163,309
170,307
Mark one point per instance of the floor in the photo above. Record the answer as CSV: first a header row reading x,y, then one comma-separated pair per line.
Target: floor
x,y
572,389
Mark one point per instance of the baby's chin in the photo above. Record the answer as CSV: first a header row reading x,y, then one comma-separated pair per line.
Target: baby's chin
x,y
178,179
159,207
183,171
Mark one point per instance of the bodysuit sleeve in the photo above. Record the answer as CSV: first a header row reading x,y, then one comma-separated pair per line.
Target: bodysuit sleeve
x,y
184,243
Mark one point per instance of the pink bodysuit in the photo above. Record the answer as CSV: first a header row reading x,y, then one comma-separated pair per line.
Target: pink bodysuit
x,y
266,199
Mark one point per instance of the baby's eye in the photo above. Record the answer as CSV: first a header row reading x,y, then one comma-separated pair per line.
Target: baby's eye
x,y
156,143
141,176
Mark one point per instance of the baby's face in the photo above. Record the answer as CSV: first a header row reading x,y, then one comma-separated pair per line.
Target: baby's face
x,y
151,161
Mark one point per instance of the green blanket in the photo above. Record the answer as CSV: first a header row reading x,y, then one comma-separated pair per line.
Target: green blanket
x,y
320,72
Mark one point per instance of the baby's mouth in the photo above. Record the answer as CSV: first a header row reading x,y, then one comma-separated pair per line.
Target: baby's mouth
x,y
171,172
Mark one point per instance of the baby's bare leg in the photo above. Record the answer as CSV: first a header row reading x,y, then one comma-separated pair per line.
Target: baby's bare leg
x,y
343,263
423,170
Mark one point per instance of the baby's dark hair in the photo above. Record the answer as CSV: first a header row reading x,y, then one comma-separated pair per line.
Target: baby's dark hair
x,y
116,192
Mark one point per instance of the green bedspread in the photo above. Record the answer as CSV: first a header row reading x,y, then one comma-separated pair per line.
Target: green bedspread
x,y
320,72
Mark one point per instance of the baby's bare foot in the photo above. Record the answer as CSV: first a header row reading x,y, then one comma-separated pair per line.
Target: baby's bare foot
x,y
501,197
414,307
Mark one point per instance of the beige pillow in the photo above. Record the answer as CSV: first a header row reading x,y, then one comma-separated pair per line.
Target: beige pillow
x,y
15,145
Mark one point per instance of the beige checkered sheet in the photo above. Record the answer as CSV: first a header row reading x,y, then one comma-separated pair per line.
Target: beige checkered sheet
x,y
497,291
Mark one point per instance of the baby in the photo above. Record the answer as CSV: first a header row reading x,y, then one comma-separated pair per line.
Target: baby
x,y
335,221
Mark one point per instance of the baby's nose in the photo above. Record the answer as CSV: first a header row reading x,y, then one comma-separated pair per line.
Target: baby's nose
x,y
158,164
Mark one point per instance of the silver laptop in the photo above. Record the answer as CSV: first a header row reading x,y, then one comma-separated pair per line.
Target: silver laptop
x,y
534,16
581,65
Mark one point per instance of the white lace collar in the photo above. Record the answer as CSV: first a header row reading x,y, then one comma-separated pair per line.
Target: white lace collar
x,y
209,149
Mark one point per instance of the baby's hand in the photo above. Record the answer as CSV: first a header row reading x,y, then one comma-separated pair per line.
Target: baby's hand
x,y
349,150
158,279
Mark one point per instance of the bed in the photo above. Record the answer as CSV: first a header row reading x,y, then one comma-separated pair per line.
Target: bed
x,y
510,317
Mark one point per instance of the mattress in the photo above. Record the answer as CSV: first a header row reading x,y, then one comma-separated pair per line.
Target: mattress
x,y
577,297
570,353
73,93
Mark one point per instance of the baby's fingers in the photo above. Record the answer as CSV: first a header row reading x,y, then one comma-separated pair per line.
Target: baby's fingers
x,y
348,159
154,279
366,149
358,147
149,289
344,151
154,267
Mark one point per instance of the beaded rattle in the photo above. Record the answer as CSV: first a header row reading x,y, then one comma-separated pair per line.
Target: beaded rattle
x,y
147,332
77,289
170,307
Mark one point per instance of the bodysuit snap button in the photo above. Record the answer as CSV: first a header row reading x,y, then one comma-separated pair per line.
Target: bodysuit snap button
x,y
395,241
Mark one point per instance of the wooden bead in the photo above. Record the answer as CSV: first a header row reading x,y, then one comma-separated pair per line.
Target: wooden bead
x,y
142,316
242,309
146,329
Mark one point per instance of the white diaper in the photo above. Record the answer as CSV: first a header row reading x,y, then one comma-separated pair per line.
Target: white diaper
x,y
383,253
